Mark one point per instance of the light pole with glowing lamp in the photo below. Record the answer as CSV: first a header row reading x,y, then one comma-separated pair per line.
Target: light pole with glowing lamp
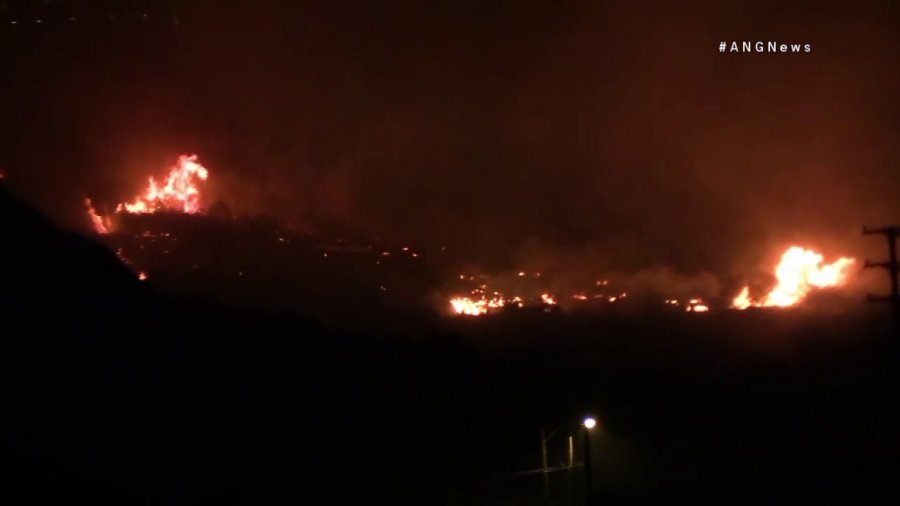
x,y
589,423
545,469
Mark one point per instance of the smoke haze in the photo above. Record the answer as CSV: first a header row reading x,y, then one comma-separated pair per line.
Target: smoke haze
x,y
610,134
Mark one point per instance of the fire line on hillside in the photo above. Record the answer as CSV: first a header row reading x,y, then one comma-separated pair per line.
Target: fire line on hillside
x,y
799,271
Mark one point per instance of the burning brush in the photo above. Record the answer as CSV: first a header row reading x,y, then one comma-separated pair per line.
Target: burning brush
x,y
178,192
797,274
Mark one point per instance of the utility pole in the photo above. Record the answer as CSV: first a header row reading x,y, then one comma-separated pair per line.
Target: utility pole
x,y
890,233
545,470
571,465
587,467
588,424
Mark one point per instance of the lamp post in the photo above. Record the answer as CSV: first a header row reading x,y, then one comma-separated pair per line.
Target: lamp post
x,y
589,423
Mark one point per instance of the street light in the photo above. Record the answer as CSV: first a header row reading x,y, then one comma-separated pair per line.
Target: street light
x,y
589,423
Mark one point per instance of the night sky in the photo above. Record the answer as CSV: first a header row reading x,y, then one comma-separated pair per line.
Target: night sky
x,y
605,133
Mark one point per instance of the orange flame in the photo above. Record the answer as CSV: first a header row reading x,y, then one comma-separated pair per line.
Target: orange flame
x,y
101,223
476,307
697,306
480,303
179,193
742,301
798,273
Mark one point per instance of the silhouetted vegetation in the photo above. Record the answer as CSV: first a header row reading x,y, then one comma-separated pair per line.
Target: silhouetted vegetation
x,y
117,394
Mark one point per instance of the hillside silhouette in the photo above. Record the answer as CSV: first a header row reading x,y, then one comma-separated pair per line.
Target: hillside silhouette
x,y
116,393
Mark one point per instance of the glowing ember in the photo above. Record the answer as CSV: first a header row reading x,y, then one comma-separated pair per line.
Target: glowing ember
x,y
142,276
101,224
487,295
179,193
696,306
797,273
476,307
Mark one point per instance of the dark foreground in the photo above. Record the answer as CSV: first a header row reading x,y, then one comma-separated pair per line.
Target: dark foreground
x,y
115,394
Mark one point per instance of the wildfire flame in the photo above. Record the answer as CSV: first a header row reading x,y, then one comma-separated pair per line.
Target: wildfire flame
x,y
179,193
476,307
479,303
697,306
797,273
101,223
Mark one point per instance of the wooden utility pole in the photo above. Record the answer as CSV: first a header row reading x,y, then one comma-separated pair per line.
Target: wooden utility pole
x,y
587,467
571,465
544,468
890,233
